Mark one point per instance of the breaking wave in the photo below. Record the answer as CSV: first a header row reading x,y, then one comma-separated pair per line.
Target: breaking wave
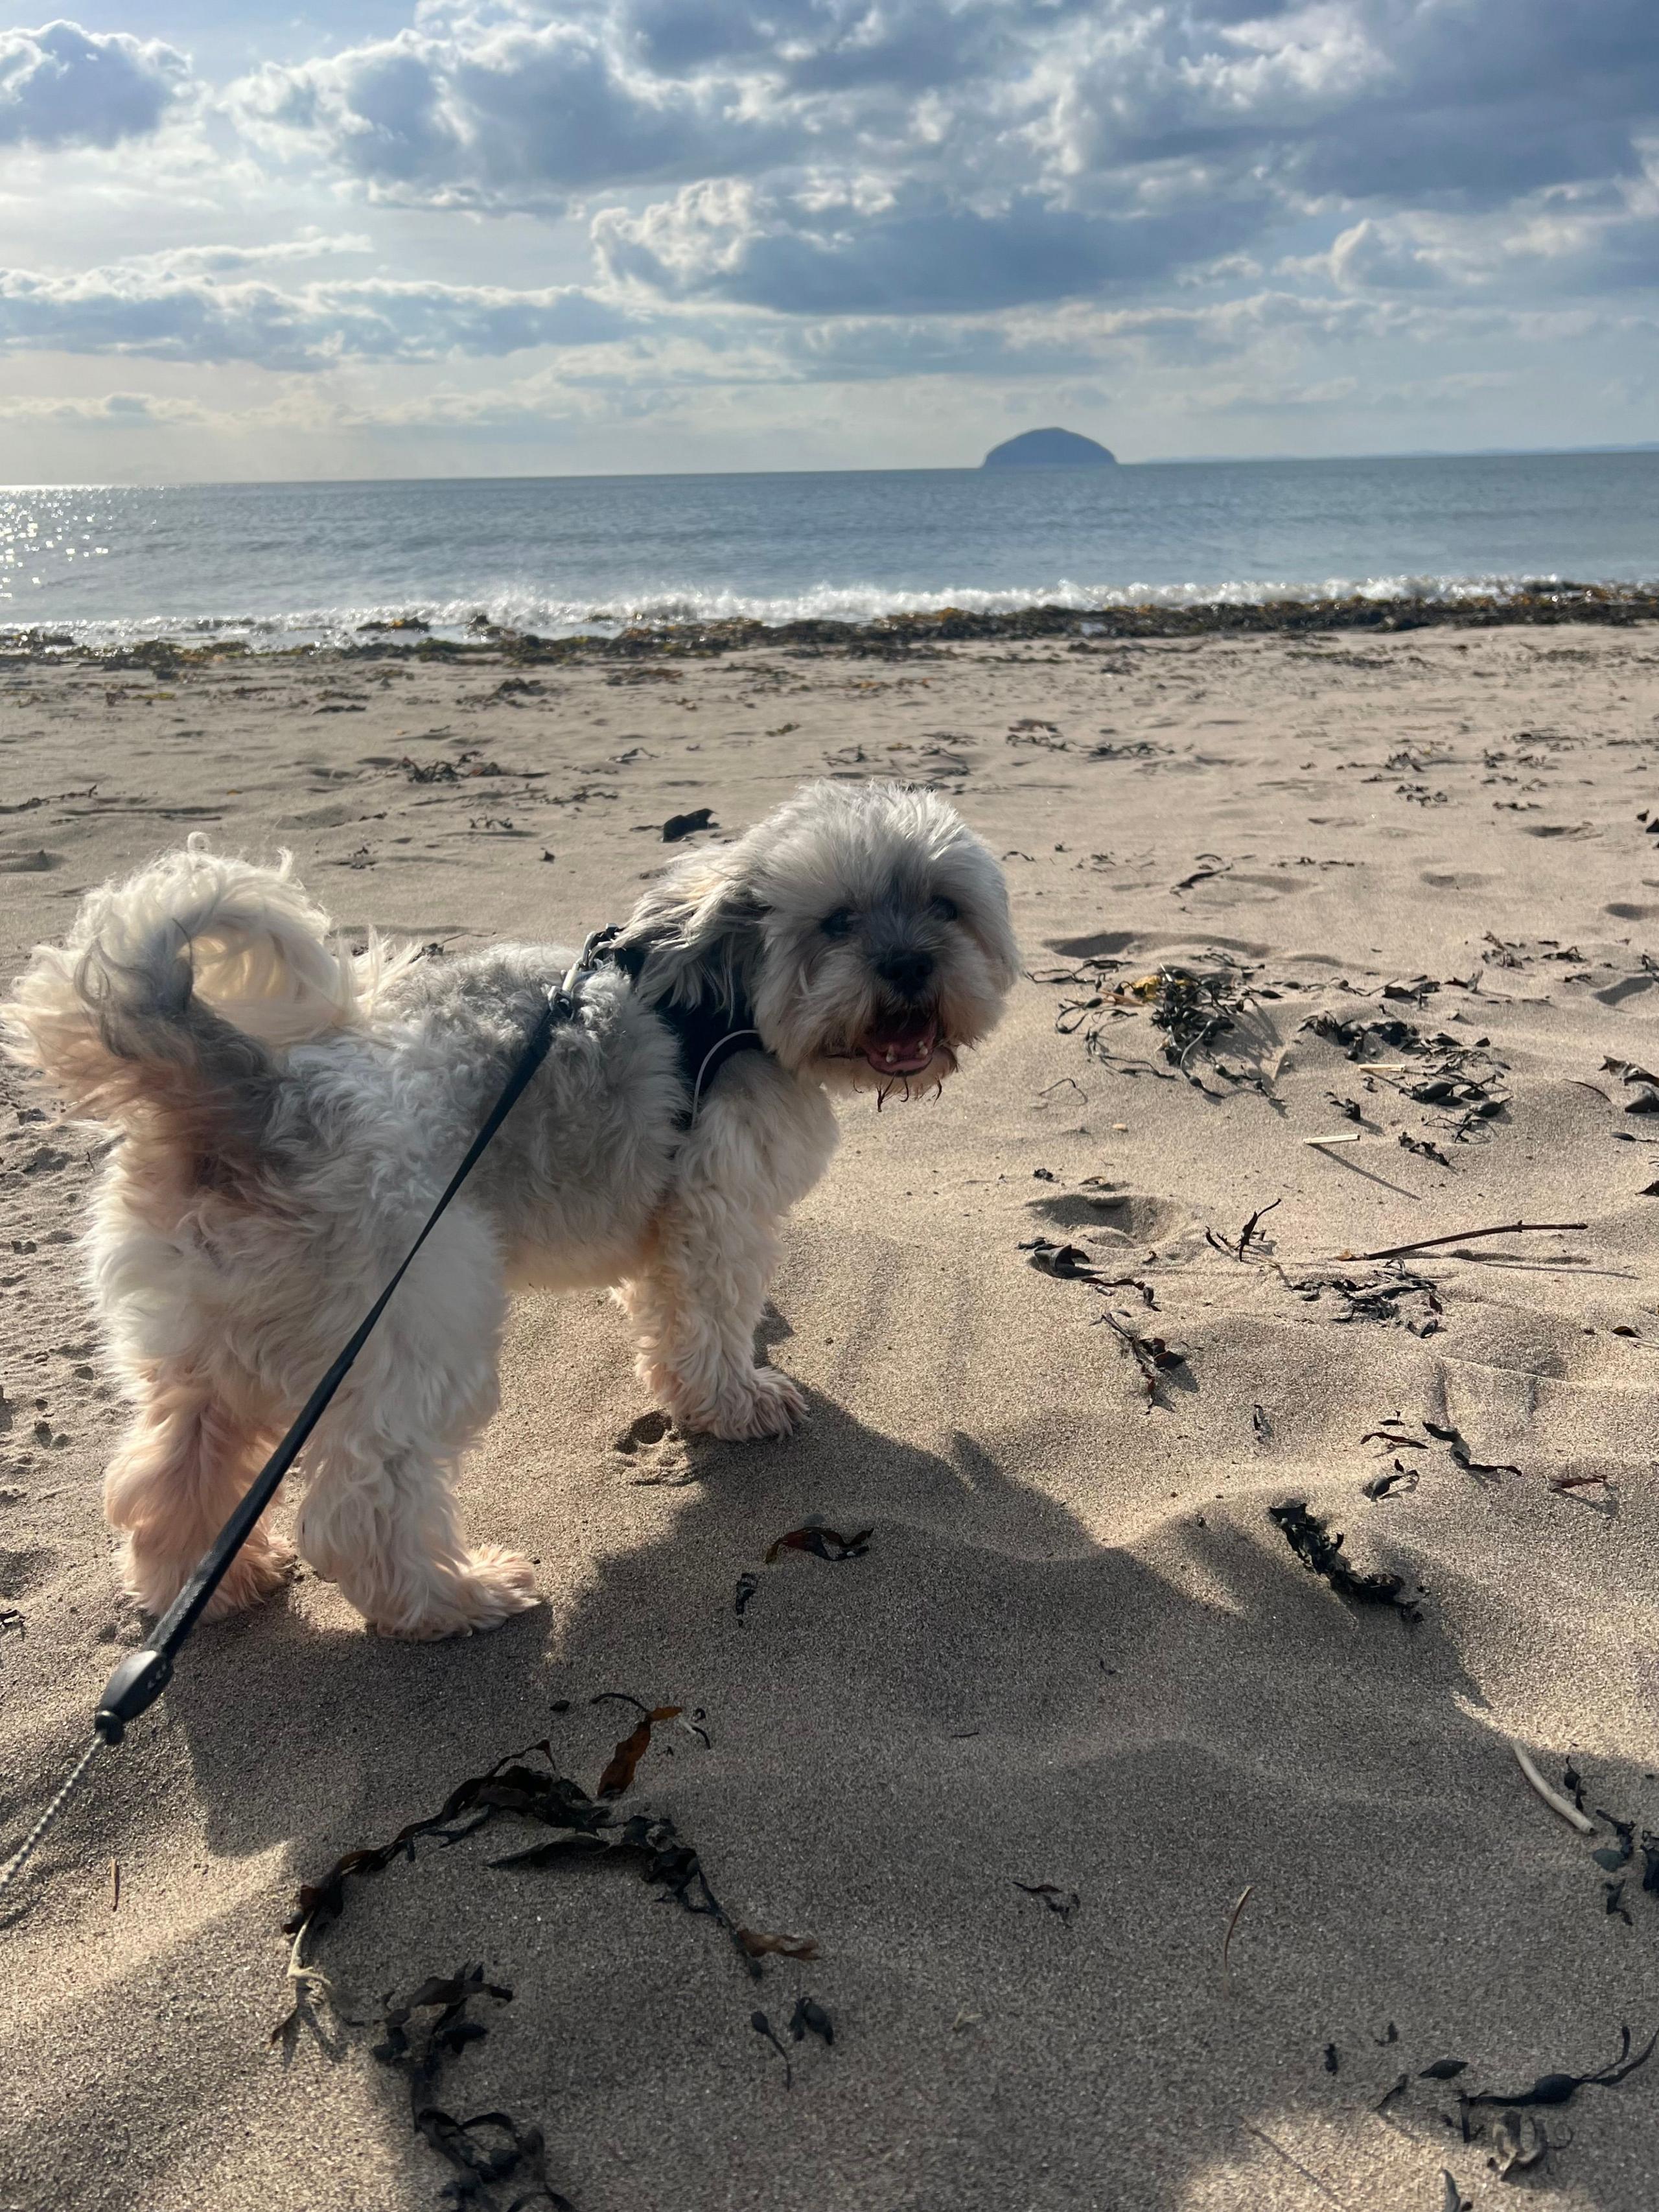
x,y
669,606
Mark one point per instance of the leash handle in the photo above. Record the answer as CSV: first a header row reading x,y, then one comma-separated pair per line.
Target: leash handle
x,y
143,1674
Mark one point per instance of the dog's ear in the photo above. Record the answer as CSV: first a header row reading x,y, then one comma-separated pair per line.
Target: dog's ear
x,y
697,933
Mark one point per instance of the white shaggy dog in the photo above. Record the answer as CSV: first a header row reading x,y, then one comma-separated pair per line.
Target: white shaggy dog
x,y
288,1114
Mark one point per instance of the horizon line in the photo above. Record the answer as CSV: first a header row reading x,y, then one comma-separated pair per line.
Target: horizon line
x,y
975,468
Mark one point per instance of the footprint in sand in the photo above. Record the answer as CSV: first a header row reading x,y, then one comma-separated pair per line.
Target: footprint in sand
x,y
23,1571
1118,1218
660,1456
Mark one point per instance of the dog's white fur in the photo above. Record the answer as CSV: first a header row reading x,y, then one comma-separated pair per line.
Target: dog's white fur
x,y
289,1112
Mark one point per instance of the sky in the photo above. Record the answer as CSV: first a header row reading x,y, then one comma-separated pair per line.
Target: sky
x,y
468,238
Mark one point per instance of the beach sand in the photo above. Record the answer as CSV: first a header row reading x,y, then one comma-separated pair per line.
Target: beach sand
x,y
1077,1651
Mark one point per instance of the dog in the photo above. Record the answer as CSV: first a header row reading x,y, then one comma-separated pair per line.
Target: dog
x,y
288,1112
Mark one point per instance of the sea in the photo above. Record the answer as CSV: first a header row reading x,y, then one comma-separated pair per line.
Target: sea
x,y
277,565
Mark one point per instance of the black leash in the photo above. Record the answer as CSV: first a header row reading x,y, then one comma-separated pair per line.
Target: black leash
x,y
143,1675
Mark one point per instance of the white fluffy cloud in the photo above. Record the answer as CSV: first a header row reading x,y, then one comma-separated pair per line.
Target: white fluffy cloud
x,y
148,307
504,115
856,156
62,86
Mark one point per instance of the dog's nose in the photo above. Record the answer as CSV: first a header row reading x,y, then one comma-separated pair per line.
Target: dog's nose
x,y
907,971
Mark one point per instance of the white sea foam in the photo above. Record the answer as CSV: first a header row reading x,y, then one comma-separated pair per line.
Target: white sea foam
x,y
528,611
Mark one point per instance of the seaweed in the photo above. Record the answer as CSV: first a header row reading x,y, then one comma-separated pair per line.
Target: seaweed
x,y
822,1543
1612,1857
652,1841
763,2027
810,2016
1559,2088
678,826
1378,1297
1466,1078
1193,1008
1465,1458
1062,1903
1153,1355
507,1786
490,2148
756,1944
1628,1072
590,1829
1384,1486
1070,1263
1308,1537
1355,1037
1518,2141
619,1771
1395,1430
1237,1249
1397,2088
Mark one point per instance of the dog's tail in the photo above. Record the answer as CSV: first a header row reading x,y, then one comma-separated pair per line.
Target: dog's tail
x,y
178,993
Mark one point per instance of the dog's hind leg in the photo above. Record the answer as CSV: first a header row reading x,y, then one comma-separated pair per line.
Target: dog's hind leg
x,y
381,1520
379,1516
183,1465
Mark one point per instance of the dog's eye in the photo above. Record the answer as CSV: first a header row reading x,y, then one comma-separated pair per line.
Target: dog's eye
x,y
945,909
838,924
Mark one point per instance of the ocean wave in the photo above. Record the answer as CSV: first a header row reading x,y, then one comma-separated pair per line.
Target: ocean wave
x,y
673,606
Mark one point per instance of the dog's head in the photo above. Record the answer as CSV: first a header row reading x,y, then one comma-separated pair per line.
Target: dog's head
x,y
864,925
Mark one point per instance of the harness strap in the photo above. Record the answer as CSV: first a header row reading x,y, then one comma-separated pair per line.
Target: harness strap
x,y
708,1032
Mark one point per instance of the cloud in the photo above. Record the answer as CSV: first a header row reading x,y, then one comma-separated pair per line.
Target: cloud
x,y
920,254
62,86
138,308
121,409
941,156
221,260
508,115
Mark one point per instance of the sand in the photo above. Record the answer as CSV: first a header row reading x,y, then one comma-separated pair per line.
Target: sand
x,y
1077,1650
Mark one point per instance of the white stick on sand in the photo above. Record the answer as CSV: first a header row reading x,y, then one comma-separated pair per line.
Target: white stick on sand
x,y
1552,1798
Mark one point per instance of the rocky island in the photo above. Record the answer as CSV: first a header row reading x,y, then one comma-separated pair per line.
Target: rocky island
x,y
1048,449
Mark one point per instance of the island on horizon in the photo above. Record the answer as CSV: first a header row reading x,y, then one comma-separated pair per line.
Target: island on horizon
x,y
1048,449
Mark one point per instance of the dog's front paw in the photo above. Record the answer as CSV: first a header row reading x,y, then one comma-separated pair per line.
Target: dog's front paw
x,y
762,1403
490,1588
255,1572
263,1565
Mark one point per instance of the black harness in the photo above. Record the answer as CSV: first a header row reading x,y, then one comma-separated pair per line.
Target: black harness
x,y
708,1032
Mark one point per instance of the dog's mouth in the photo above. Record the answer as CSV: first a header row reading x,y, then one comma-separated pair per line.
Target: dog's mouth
x,y
902,1047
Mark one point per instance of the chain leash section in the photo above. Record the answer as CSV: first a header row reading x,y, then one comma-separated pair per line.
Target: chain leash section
x,y
37,1835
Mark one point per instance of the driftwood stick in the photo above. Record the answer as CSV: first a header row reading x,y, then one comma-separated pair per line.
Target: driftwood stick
x,y
1465,1236
1552,1798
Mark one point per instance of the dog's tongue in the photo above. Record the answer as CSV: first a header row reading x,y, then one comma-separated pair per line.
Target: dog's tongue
x,y
902,1048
